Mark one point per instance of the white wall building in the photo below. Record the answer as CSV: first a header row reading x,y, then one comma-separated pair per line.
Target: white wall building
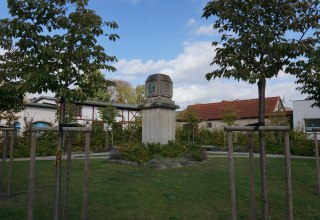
x,y
306,117
41,115
42,112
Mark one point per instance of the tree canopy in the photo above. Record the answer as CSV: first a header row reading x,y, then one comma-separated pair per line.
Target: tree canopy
x,y
52,46
259,39
309,77
123,92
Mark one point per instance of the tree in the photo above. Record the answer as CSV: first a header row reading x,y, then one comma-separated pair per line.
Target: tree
x,y
11,97
55,43
52,46
190,116
123,92
260,39
108,115
308,74
102,86
230,115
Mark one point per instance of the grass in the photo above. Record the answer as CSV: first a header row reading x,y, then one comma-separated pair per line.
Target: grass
x,y
196,192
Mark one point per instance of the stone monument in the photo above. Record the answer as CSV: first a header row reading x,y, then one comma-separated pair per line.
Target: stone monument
x,y
158,110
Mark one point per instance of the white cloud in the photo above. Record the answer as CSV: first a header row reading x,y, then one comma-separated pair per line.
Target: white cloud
x,y
188,70
134,2
191,22
206,31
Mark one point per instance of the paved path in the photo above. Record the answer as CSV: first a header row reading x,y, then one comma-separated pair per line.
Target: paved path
x,y
211,154
73,156
244,154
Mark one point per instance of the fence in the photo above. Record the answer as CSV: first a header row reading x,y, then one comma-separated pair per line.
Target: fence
x,y
58,172
5,131
265,202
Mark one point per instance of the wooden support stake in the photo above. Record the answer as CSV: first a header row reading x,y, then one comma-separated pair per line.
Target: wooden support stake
x,y
231,175
288,176
86,178
251,173
317,159
10,163
56,214
4,156
264,179
32,175
67,177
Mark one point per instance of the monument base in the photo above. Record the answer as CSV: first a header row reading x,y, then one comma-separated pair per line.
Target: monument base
x,y
158,125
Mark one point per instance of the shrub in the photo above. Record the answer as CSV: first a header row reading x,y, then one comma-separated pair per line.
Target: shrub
x,y
196,153
300,144
116,154
141,153
137,152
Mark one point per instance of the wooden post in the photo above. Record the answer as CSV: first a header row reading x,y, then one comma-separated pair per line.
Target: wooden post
x,y
58,179
32,174
67,178
10,163
231,175
112,139
4,156
107,137
264,179
317,159
288,175
86,178
251,173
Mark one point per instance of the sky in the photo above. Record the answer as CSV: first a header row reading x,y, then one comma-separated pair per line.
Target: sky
x,y
171,37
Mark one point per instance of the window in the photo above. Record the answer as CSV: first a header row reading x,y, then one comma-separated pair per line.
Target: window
x,y
17,126
311,123
209,125
41,124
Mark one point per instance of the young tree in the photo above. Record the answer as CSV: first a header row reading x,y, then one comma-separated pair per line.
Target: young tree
x,y
108,115
230,115
51,45
190,116
260,39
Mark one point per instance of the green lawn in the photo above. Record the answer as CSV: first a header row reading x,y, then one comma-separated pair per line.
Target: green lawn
x,y
195,192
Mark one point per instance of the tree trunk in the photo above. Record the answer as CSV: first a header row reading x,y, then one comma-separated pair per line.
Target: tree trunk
x,y
263,163
193,135
107,139
62,115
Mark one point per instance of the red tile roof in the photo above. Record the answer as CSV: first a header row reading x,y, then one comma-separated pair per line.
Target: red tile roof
x,y
244,108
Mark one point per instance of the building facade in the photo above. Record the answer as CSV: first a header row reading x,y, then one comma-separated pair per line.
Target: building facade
x,y
211,115
42,112
306,117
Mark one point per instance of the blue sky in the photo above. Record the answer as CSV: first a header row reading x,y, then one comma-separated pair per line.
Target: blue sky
x,y
170,37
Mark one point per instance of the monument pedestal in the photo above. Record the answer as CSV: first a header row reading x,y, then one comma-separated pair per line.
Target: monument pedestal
x,y
158,111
